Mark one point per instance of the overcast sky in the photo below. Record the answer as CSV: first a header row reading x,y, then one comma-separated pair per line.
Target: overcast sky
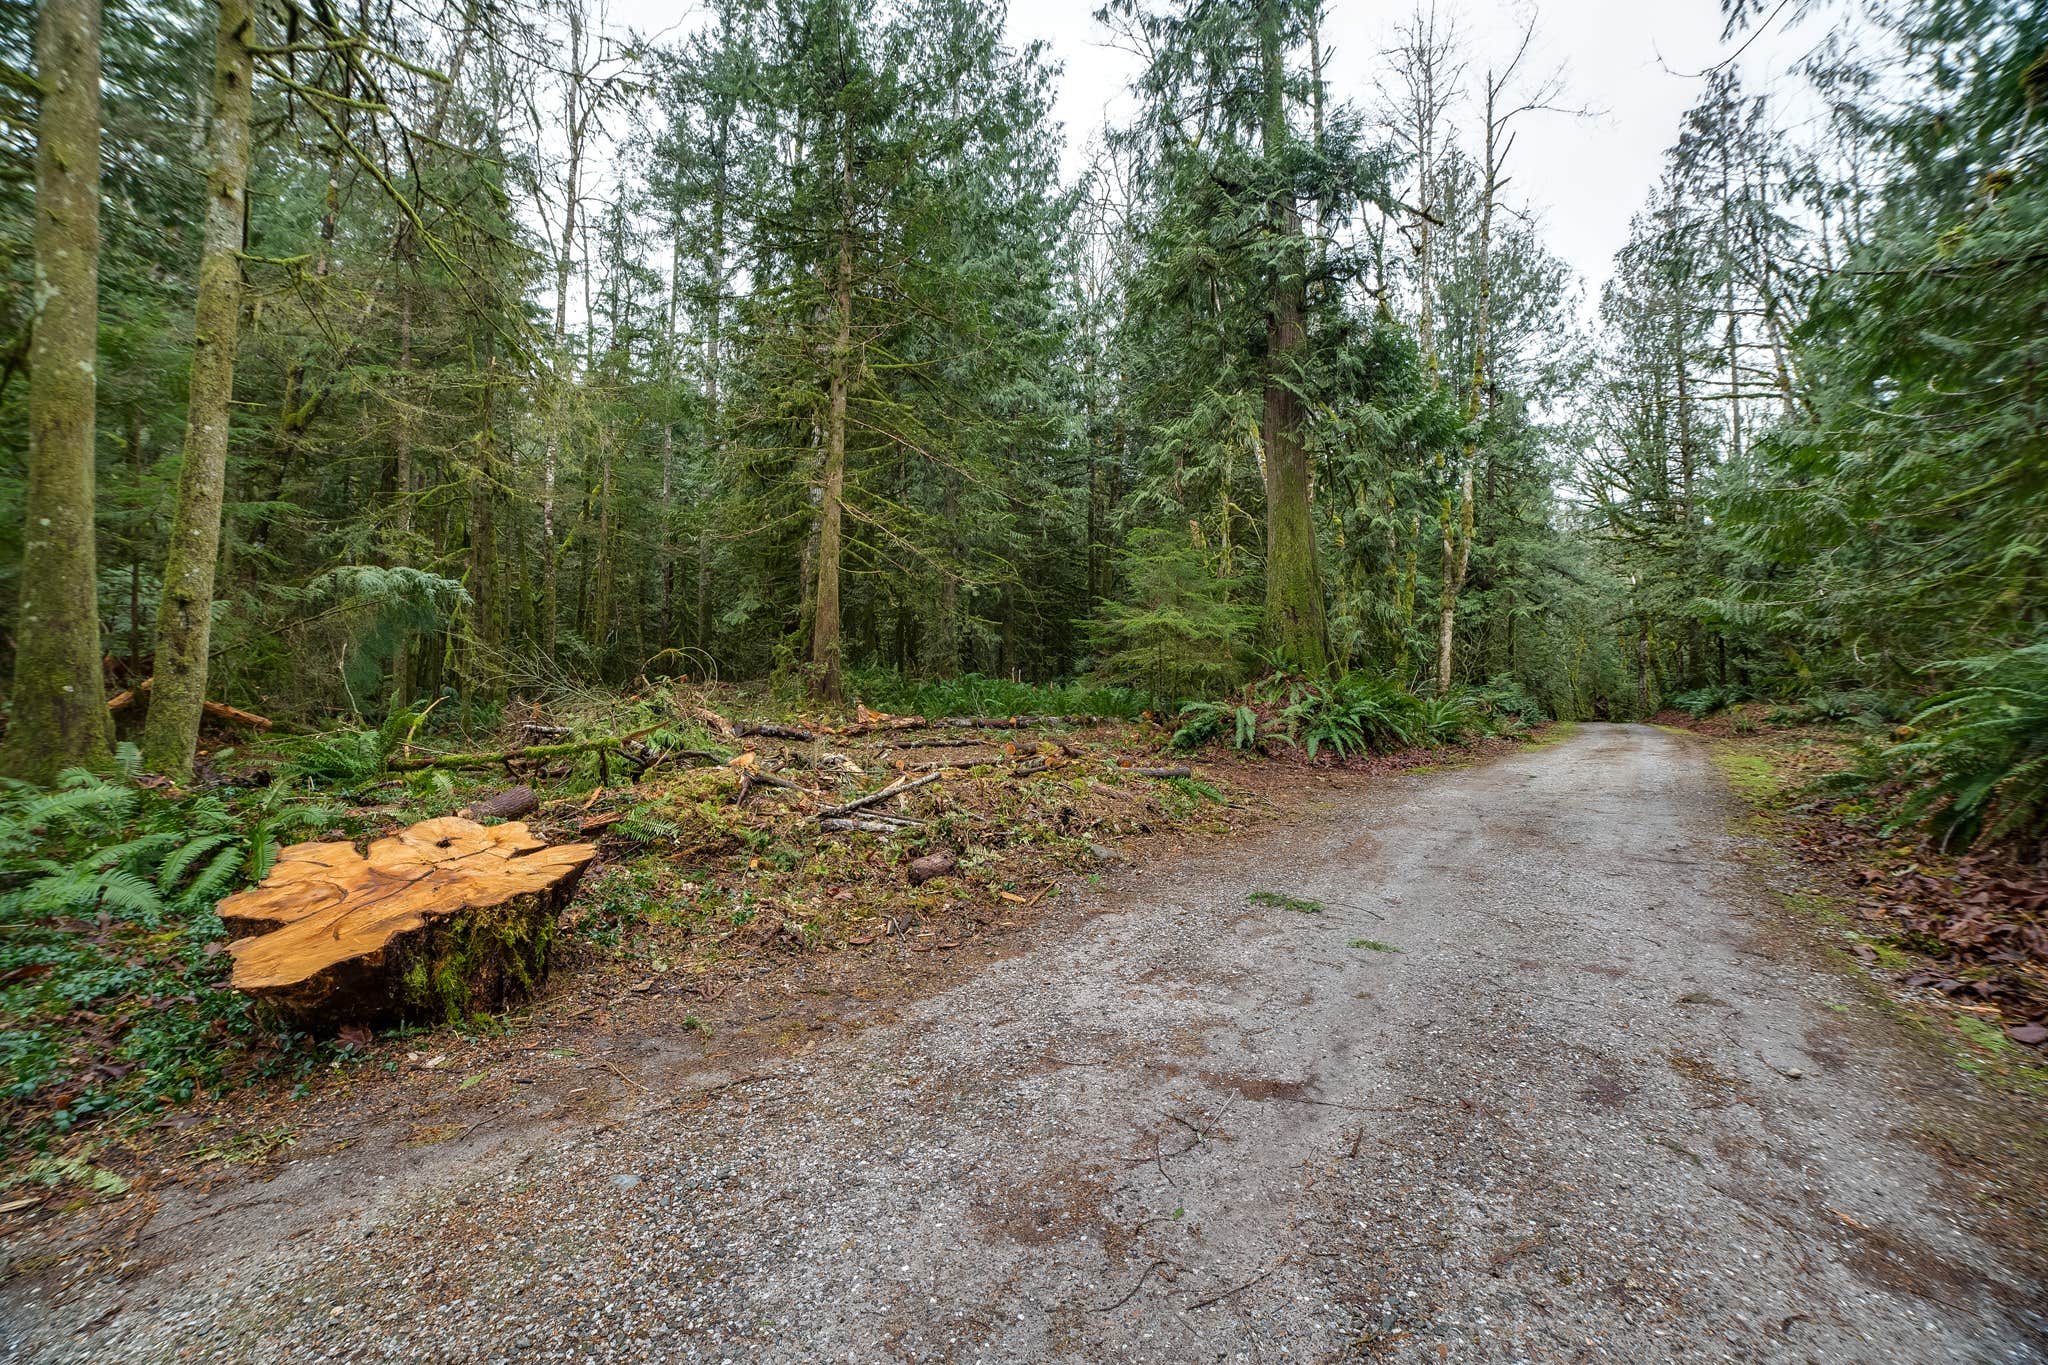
x,y
1630,59
1635,61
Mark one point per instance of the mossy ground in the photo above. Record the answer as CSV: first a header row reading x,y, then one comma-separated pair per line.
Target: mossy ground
x,y
1775,776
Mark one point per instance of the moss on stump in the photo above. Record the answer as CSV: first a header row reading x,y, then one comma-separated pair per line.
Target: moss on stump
x,y
433,923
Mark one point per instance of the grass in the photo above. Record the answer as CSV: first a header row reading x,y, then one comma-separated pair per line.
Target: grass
x,y
1754,775
1284,902
1372,945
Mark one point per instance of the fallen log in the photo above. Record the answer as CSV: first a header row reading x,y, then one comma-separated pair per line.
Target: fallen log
x,y
719,724
896,788
529,753
772,729
508,804
843,825
219,710
1009,722
941,765
759,777
432,923
934,744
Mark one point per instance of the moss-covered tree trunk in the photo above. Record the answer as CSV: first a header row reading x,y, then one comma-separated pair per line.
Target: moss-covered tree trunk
x,y
826,683
60,706
184,622
1294,592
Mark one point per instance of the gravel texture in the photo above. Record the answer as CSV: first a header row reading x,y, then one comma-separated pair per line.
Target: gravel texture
x,y
1543,1078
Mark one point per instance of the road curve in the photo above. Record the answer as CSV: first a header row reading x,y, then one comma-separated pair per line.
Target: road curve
x,y
1542,1078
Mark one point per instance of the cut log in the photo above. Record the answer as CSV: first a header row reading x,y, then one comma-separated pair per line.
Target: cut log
x,y
508,804
944,863
719,724
773,729
433,923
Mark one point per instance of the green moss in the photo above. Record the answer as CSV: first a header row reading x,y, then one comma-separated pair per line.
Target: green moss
x,y
1557,732
459,969
1813,905
1753,775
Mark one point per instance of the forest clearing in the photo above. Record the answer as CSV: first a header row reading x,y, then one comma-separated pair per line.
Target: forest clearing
x,y
739,685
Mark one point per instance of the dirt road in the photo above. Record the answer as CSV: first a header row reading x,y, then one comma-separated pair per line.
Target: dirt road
x,y
1541,1078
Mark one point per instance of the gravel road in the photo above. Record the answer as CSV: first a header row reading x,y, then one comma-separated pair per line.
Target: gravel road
x,y
1544,1078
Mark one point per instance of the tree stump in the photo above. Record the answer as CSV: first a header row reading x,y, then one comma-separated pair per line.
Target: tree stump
x,y
434,922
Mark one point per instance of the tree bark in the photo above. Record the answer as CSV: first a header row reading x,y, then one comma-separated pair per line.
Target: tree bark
x,y
1459,524
1294,594
826,683
185,620
60,709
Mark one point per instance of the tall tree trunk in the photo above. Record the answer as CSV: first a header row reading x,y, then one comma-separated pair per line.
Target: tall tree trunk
x,y
714,364
1459,522
1457,557
826,683
1294,593
60,705
558,397
185,620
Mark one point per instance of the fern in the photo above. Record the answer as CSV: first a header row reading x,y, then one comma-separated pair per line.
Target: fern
x,y
173,868
74,803
1979,767
215,879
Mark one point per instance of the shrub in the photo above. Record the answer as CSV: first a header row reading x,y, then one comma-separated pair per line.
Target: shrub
x,y
1978,768
1203,721
1506,697
110,976
1180,630
973,694
1449,718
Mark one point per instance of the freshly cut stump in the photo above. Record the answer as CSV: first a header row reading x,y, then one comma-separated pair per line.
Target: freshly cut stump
x,y
432,923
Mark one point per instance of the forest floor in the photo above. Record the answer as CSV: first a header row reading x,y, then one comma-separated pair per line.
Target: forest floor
x,y
1544,1057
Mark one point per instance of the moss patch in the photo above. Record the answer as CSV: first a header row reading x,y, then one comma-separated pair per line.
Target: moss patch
x,y
1752,774
476,962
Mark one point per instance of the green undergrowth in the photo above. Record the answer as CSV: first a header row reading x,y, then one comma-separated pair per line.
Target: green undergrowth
x,y
1353,714
973,694
113,1003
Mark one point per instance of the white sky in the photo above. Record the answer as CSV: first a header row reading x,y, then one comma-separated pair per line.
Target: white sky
x,y
1584,177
